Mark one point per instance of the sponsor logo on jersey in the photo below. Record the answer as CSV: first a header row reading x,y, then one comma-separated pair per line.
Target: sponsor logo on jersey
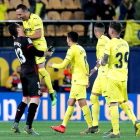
x,y
30,41
28,29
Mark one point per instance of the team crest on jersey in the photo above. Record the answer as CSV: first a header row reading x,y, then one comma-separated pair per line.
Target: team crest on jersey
x,y
28,24
138,34
30,41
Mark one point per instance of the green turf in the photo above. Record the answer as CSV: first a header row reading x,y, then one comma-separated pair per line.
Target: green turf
x,y
72,131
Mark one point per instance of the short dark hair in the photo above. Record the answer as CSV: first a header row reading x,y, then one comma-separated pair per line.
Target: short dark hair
x,y
73,36
99,25
116,26
13,29
22,6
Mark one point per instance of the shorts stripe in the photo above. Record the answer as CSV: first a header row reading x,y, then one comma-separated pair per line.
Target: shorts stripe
x,y
25,96
35,96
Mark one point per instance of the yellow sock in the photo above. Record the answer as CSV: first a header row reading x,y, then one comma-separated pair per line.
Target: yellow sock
x,y
87,115
46,78
68,115
95,109
114,112
127,109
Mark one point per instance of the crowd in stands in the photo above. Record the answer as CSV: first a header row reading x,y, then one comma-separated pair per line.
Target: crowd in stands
x,y
93,9
72,10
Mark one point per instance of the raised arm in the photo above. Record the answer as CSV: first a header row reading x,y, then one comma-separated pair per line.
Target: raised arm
x,y
68,58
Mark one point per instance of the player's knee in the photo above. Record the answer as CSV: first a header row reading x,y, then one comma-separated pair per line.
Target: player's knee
x,y
35,100
121,105
71,102
25,100
93,98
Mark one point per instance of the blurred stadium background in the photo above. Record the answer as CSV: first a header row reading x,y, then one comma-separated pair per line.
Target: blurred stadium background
x,y
62,16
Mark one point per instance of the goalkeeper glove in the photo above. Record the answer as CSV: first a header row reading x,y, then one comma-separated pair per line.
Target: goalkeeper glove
x,y
51,49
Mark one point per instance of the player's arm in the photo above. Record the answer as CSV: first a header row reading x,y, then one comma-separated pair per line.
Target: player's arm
x,y
61,65
38,53
94,69
68,58
36,35
33,50
104,61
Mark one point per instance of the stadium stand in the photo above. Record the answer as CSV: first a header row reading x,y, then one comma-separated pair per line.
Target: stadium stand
x,y
79,15
79,29
26,2
6,32
7,2
45,31
53,15
69,4
65,29
15,3
53,30
46,3
67,15
57,5
12,15
78,4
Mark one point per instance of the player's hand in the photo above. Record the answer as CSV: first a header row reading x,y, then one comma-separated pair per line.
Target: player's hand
x,y
48,54
50,64
88,84
97,65
91,72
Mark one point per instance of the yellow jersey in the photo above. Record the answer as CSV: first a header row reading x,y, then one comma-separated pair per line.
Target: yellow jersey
x,y
79,65
118,51
33,23
100,48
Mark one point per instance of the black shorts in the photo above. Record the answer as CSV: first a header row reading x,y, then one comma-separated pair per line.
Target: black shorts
x,y
30,86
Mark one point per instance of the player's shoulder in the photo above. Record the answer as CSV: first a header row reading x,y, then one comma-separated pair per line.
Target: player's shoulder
x,y
35,17
22,39
125,42
77,46
102,40
25,39
104,37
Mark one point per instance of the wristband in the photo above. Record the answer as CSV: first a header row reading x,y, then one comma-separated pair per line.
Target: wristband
x,y
100,62
95,68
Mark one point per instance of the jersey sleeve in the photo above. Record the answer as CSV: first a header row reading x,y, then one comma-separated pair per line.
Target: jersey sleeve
x,y
27,42
37,23
70,54
32,49
107,48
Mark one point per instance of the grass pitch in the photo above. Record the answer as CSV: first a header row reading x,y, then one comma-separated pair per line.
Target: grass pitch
x,y
72,131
